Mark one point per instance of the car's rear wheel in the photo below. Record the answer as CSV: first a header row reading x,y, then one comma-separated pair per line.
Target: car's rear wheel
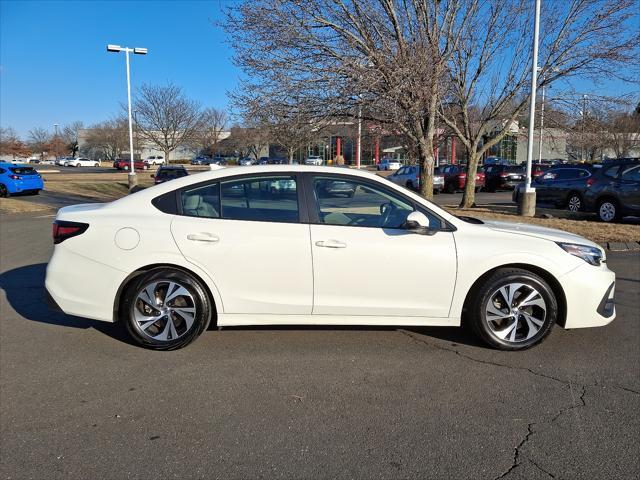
x,y
165,309
3,191
451,188
513,309
574,202
96,164
609,210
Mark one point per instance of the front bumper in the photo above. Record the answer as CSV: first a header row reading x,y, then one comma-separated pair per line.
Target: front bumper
x,y
589,292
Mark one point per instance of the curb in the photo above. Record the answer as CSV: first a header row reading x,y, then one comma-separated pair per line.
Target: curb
x,y
621,246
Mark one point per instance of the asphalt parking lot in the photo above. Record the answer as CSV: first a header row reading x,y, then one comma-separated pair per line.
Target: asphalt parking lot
x,y
79,401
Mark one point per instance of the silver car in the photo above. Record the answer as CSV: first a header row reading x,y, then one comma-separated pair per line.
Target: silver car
x,y
409,177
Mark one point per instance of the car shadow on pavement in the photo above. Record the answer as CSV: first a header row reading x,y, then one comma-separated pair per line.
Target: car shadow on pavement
x,y
24,288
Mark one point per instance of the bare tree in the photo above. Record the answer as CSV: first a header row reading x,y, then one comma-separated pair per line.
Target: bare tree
x,y
489,70
213,123
40,141
107,140
248,141
70,136
166,117
10,144
382,57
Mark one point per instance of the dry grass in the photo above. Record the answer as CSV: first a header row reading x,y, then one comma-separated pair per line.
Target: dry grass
x,y
593,230
15,205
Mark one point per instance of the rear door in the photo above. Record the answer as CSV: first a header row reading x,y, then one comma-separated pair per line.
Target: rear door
x,y
250,234
365,263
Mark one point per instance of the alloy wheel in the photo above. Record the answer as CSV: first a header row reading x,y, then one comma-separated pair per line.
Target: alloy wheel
x,y
574,204
164,310
515,312
607,211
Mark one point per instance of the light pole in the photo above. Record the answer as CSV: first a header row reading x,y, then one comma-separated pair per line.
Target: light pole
x,y
55,125
584,118
527,203
137,51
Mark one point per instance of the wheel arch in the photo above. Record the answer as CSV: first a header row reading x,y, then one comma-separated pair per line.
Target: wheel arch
x,y
547,276
139,271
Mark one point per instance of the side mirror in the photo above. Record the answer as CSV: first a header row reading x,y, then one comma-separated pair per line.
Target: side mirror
x,y
417,222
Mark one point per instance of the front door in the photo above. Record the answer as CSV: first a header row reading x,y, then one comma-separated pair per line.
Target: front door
x,y
365,263
246,233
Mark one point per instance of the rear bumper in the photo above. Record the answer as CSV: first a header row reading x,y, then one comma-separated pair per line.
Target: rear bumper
x,y
24,186
589,293
81,286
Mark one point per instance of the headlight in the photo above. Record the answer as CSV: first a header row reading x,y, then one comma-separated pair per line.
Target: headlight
x,y
591,255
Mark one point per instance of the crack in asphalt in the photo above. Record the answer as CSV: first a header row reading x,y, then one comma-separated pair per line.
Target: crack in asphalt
x,y
530,426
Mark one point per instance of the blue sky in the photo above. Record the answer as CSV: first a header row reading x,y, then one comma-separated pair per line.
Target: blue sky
x,y
55,67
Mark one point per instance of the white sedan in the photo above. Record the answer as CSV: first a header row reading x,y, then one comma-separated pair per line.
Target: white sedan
x,y
227,247
389,164
81,162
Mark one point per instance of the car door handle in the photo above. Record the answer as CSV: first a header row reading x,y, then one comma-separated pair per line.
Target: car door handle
x,y
203,237
331,244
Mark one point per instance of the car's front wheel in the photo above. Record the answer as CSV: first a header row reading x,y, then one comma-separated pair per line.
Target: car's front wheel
x,y
513,309
3,191
165,309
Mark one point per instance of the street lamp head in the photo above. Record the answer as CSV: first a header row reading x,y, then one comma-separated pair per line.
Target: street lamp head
x,y
114,48
140,51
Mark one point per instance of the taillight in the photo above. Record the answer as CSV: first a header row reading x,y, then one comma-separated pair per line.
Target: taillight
x,y
463,175
15,177
590,181
504,175
63,230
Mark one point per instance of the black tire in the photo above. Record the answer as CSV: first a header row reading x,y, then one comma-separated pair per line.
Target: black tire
x,y
410,185
197,298
609,210
574,202
488,292
96,164
3,191
450,188
477,189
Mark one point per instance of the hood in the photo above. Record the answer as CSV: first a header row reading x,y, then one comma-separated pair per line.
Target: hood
x,y
539,232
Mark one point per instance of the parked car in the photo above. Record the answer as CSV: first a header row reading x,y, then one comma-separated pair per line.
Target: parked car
x,y
455,178
200,160
169,172
389,164
502,177
560,187
63,160
409,176
82,162
173,258
246,161
277,161
615,191
263,160
334,188
313,160
496,161
154,160
19,179
122,164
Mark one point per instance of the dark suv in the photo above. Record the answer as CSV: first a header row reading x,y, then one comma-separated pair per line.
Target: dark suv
x,y
502,177
615,191
166,172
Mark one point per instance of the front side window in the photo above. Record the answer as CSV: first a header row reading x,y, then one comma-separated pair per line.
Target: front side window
x,y
267,199
360,204
631,174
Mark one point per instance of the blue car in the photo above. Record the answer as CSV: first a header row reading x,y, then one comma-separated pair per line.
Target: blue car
x,y
18,179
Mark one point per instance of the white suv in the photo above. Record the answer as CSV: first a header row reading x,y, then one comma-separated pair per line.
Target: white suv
x,y
155,160
389,164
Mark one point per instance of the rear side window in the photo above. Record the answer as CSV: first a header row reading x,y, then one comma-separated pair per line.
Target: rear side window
x,y
266,199
202,201
168,173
